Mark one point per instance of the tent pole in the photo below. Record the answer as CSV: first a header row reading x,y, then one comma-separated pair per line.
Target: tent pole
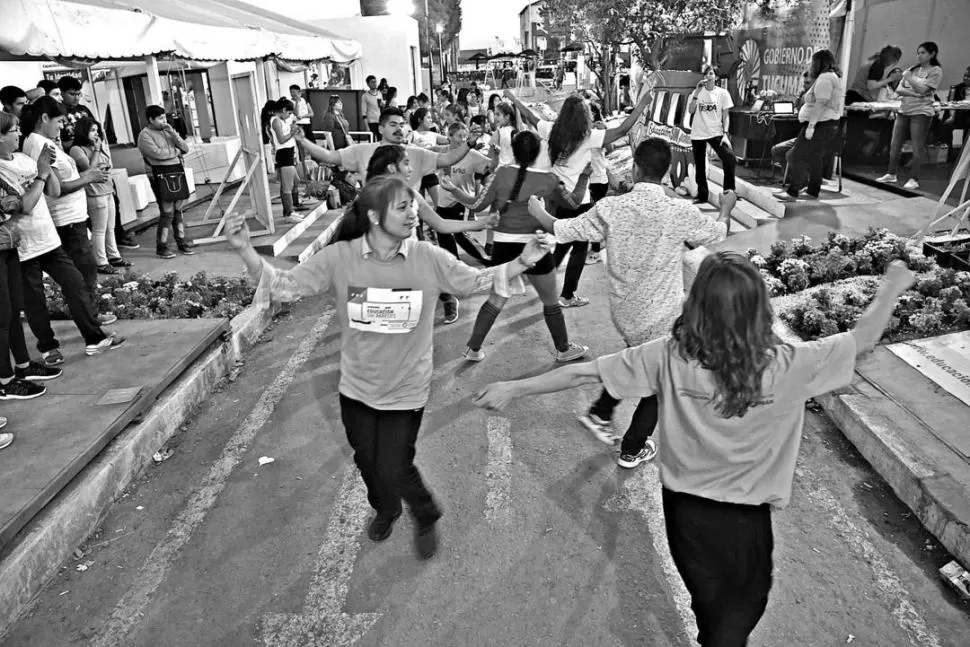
x,y
154,80
848,31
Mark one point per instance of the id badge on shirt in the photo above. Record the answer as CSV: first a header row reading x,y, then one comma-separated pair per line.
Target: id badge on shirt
x,y
382,310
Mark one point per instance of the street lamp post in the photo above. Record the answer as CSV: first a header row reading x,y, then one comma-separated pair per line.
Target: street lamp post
x,y
441,55
427,27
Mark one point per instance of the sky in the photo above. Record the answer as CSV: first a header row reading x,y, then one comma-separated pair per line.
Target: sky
x,y
482,20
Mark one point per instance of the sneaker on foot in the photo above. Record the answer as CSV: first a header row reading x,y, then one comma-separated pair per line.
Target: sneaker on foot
x,y
106,318
574,352
17,389
53,357
426,540
783,196
187,251
295,218
37,372
3,422
888,178
127,242
911,184
107,269
629,461
451,311
602,429
473,355
576,302
167,254
5,439
381,526
592,258
108,343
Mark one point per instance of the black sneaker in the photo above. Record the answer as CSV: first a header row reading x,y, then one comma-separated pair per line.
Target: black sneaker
x,y
451,311
53,357
381,526
187,251
108,343
167,254
37,372
17,389
127,242
426,540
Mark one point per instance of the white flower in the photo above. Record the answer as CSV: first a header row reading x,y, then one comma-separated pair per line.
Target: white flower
x,y
759,261
130,285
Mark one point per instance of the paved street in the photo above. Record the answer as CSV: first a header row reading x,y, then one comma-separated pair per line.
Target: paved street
x,y
544,540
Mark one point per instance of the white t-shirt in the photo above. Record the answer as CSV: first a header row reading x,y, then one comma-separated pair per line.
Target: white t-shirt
x,y
502,139
372,107
709,116
428,139
570,170
37,233
302,111
462,175
72,207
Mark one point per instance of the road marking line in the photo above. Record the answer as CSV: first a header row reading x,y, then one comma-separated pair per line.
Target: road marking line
x,y
153,572
323,623
498,477
887,582
643,493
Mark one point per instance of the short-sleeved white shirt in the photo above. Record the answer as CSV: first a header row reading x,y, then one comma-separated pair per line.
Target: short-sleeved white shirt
x,y
357,157
37,233
709,115
462,174
69,208
570,169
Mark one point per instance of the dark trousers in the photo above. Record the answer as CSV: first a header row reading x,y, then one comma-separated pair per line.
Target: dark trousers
x,y
808,157
577,258
597,192
723,553
62,270
77,245
642,425
451,242
781,155
375,129
12,338
170,225
728,161
384,447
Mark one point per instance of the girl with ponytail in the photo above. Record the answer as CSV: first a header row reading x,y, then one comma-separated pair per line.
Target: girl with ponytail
x,y
507,192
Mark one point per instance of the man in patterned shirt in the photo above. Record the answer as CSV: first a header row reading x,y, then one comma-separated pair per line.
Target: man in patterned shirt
x,y
645,232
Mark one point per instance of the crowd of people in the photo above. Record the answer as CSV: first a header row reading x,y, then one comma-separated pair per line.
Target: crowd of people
x,y
706,367
58,216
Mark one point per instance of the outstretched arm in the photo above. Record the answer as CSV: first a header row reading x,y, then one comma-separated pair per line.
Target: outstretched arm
x,y
498,395
318,153
441,225
614,134
527,115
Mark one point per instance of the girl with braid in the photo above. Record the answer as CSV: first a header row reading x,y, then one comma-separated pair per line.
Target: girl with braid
x,y
507,192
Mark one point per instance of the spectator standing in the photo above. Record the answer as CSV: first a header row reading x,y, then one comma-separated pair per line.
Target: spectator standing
x,y
69,208
336,124
421,130
90,152
371,105
916,89
879,72
39,250
17,381
303,111
50,89
162,149
284,147
71,92
12,100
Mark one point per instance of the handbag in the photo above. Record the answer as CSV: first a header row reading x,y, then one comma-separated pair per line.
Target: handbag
x,y
170,183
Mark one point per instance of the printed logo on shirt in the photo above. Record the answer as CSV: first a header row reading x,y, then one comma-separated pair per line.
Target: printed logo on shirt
x,y
707,107
382,310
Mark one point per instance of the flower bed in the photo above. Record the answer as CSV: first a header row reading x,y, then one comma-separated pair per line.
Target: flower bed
x,y
821,289
132,296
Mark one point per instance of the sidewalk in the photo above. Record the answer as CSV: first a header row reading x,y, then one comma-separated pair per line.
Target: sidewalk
x,y
79,446
912,431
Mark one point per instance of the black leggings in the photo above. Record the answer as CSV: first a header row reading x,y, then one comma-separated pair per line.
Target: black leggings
x,y
577,259
597,192
725,154
451,242
12,338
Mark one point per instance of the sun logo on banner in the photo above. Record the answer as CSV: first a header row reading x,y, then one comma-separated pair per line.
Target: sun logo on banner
x,y
749,71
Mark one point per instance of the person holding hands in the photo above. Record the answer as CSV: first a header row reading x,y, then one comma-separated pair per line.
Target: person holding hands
x,y
711,107
385,285
732,405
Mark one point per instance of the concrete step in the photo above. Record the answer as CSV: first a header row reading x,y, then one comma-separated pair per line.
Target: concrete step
x,y
748,214
276,244
312,239
758,196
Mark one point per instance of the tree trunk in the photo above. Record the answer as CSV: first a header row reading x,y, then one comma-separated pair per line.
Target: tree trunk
x,y
606,57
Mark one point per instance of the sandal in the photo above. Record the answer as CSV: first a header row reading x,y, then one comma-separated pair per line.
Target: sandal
x,y
119,262
106,269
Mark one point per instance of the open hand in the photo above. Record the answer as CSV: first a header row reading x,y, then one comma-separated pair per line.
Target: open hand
x,y
494,396
490,221
447,184
538,247
44,160
237,231
537,207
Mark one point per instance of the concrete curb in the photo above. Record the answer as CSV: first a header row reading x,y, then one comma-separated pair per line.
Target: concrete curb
x,y
77,510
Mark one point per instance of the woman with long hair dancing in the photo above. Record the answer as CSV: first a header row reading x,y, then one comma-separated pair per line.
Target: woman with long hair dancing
x,y
507,192
572,139
375,257
732,403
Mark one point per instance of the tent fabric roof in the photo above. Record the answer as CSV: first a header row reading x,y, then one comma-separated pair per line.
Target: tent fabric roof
x,y
117,29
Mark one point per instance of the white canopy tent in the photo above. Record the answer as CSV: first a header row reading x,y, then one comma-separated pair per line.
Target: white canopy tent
x,y
217,30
